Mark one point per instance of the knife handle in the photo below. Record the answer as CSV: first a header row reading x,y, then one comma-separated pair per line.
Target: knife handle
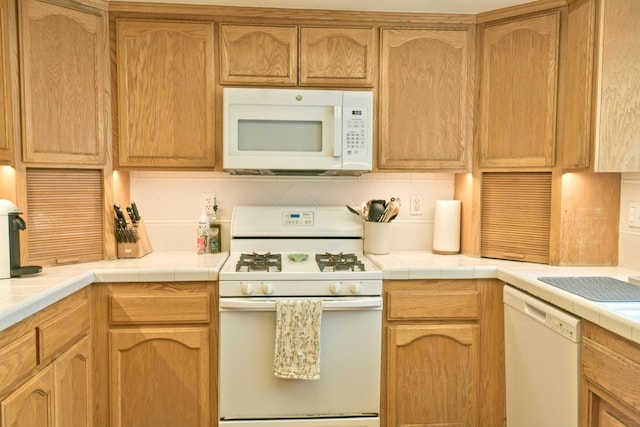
x,y
135,211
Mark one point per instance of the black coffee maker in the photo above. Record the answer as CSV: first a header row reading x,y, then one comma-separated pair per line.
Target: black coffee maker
x,y
10,226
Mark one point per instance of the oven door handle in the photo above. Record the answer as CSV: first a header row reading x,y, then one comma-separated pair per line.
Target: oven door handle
x,y
251,304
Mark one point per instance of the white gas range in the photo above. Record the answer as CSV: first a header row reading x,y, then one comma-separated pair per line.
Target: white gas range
x,y
299,254
297,251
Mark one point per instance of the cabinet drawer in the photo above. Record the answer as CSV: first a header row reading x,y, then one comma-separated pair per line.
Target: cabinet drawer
x,y
193,308
437,304
612,371
17,359
63,330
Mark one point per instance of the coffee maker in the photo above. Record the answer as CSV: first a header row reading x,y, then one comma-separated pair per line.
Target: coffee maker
x,y
10,226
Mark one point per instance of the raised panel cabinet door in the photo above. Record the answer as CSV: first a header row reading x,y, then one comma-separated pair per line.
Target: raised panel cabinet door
x,y
32,404
166,104
160,377
72,372
337,56
6,103
518,95
432,375
63,58
259,54
426,107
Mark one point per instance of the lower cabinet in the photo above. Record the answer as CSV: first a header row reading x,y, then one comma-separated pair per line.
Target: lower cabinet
x,y
443,353
610,396
32,404
160,376
161,361
57,391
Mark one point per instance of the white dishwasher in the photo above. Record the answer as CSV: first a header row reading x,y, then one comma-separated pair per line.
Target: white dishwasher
x,y
542,362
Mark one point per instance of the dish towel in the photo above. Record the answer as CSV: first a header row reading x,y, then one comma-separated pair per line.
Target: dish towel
x,y
297,346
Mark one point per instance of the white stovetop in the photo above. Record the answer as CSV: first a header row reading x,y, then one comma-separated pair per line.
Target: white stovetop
x,y
19,298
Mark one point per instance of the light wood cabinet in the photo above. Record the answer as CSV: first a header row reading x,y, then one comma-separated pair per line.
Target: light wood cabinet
x,y
32,404
6,88
443,353
276,55
165,80
45,367
426,99
519,91
159,339
63,65
337,56
601,131
610,376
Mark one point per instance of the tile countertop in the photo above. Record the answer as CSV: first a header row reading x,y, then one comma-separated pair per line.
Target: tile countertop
x,y
22,297
425,265
19,298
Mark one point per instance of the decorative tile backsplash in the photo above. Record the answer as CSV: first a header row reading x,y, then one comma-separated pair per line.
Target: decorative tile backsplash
x,y
170,202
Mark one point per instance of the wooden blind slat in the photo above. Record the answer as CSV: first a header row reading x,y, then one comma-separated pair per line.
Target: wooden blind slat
x,y
65,220
516,216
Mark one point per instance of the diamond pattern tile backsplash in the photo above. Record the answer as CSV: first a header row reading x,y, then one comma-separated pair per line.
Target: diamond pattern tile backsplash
x,y
170,202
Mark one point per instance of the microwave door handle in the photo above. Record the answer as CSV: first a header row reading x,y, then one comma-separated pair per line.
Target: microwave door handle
x,y
337,131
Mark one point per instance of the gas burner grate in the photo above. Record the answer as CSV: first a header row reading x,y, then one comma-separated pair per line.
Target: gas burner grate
x,y
339,262
259,262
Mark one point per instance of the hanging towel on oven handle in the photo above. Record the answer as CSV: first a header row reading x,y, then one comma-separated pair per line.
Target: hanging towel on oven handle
x,y
297,343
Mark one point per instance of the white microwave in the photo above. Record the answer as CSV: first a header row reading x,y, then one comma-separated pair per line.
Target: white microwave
x,y
298,132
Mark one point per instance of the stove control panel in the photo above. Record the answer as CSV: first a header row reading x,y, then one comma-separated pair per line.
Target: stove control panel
x,y
304,218
275,288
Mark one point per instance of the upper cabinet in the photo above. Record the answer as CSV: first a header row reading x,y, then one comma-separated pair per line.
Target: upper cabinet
x,y
276,55
64,68
6,85
425,99
518,91
165,79
601,129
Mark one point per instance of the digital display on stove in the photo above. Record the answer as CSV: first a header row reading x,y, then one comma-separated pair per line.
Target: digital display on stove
x,y
303,218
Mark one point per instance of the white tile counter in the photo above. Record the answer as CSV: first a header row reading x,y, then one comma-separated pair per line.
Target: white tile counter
x,y
22,297
425,265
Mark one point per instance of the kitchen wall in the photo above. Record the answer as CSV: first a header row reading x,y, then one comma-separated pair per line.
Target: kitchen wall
x,y
170,202
629,253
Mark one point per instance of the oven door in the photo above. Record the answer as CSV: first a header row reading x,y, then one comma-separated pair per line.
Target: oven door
x,y
349,384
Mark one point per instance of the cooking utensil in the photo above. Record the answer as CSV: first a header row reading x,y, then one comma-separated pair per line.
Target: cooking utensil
x,y
376,210
353,210
391,211
132,215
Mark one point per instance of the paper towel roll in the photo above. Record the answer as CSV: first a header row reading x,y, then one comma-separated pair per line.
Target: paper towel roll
x,y
446,228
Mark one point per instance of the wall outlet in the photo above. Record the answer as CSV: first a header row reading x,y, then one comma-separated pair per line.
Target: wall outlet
x,y
633,219
416,205
208,200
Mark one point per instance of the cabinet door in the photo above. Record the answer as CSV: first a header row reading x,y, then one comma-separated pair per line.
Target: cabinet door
x,y
160,377
519,92
259,55
425,99
337,56
63,64
432,375
32,404
73,387
165,93
6,103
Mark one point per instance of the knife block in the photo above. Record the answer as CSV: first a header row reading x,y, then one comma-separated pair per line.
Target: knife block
x,y
138,249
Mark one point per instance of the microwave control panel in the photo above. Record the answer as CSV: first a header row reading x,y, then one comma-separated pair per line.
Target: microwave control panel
x,y
355,127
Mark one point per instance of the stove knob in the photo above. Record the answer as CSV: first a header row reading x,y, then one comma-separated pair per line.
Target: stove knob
x,y
336,288
267,288
247,288
355,287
